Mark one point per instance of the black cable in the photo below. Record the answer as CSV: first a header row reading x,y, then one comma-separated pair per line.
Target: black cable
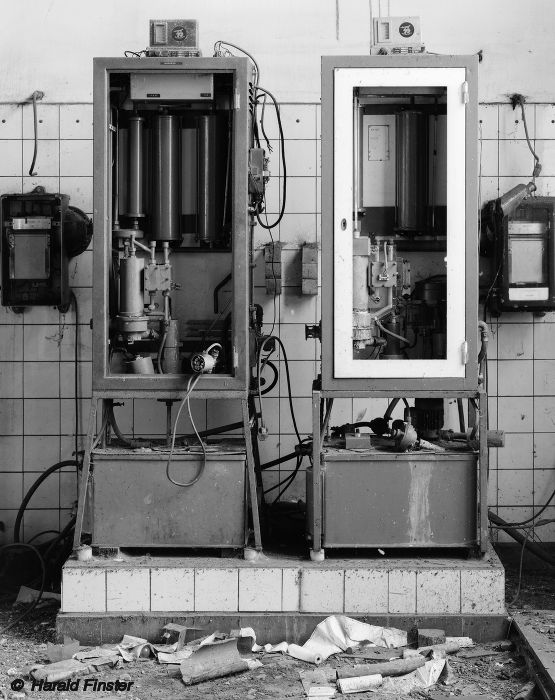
x,y
160,352
131,443
30,547
35,124
517,594
492,285
214,431
536,515
275,379
273,271
66,532
537,165
279,460
218,52
287,482
285,458
289,391
31,491
286,479
44,532
460,409
76,386
262,125
516,535
63,535
284,165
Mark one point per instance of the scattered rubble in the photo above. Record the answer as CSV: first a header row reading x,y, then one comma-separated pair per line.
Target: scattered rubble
x,y
225,667
429,637
527,692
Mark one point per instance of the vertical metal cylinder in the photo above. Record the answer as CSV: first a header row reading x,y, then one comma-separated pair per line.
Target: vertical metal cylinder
x,y
172,360
207,211
165,179
131,302
361,297
135,168
393,349
411,146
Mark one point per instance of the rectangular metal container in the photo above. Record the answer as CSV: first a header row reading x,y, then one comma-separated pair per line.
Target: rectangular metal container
x,y
135,505
148,86
399,499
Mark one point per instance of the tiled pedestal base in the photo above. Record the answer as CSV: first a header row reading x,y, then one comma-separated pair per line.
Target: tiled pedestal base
x,y
278,592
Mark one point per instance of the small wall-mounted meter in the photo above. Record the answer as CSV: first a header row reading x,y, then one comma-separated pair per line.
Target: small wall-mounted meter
x,y
40,233
525,258
173,37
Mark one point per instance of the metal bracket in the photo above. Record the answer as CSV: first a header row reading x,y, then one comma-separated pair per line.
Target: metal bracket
x,y
464,92
464,353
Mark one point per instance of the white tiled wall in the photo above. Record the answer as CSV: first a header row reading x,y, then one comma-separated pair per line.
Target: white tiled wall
x,y
36,348
522,373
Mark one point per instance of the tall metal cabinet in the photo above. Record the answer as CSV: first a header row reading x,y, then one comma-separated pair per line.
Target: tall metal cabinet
x,y
172,299
399,302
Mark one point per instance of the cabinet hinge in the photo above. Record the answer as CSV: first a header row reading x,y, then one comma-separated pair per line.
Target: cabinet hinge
x,y
235,358
464,353
237,99
464,92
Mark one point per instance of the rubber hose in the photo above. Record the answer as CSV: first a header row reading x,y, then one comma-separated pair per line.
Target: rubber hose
x,y
128,443
521,539
34,487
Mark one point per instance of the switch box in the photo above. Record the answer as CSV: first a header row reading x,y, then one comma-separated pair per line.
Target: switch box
x,y
309,279
272,267
34,259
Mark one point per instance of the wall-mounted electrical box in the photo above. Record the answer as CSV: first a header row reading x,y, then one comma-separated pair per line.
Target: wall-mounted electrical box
x,y
40,233
396,35
173,37
525,258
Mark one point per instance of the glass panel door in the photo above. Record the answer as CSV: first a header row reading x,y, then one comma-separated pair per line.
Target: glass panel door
x,y
399,222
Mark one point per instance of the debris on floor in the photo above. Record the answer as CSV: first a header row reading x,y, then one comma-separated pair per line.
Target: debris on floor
x,y
60,652
360,659
527,692
215,659
318,683
29,595
337,634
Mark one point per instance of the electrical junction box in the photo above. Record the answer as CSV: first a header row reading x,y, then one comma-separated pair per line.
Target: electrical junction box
x,y
40,233
525,258
173,37
396,35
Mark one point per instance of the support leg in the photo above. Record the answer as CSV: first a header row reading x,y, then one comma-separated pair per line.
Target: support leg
x,y
315,526
85,475
251,477
483,461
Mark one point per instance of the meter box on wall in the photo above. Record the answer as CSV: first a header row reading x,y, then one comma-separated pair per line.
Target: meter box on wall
x,y
525,258
41,232
399,202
